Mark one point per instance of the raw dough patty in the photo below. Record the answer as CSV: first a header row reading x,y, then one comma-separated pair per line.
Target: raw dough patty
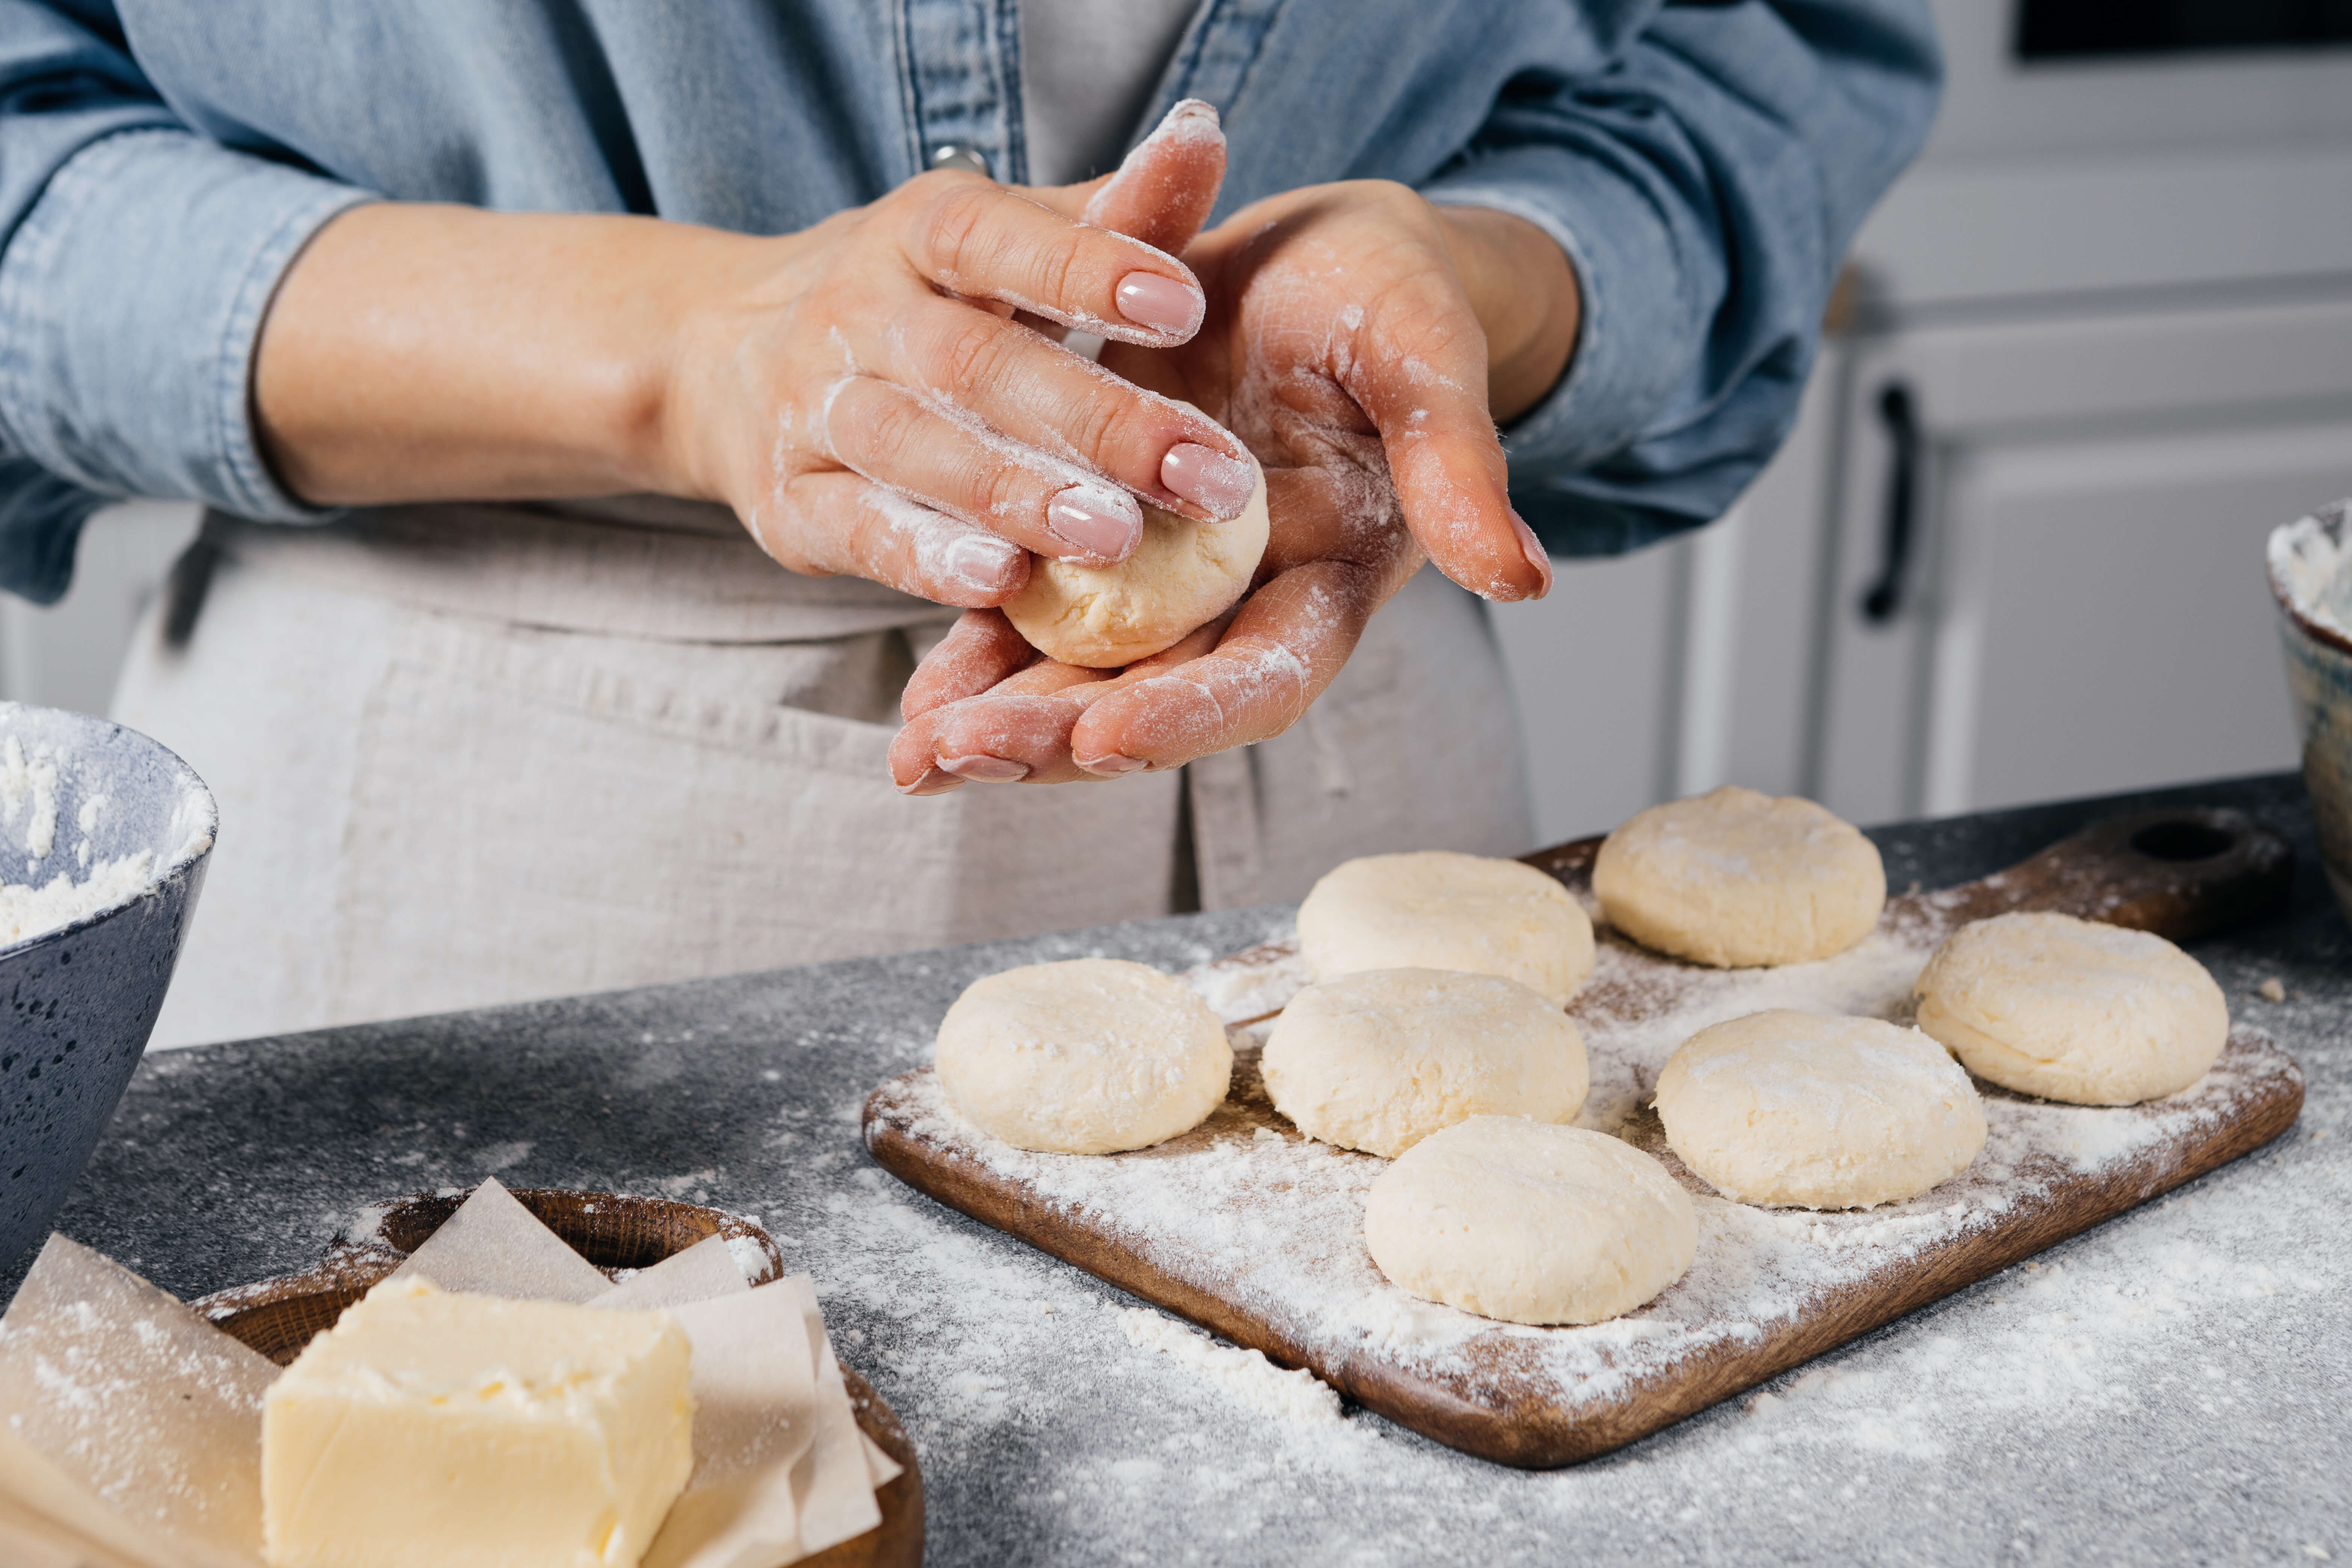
x,y
1437,909
1819,1113
1530,1223
1734,878
2071,1009
1089,1057
1379,1060
1183,575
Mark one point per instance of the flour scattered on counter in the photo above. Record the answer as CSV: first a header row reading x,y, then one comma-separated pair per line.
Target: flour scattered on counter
x,y
1247,1375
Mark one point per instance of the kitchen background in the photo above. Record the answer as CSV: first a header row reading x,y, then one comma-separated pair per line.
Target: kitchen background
x,y
2090,350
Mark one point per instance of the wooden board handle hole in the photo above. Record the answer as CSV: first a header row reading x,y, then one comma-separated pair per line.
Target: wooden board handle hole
x,y
2183,839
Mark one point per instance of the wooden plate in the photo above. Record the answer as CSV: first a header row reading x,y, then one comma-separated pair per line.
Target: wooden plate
x,y
1540,1397
278,1316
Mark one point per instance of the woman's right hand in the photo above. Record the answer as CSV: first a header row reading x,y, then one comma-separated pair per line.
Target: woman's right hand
x,y
858,393
864,410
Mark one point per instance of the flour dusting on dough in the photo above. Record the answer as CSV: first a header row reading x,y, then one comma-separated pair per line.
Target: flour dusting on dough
x,y
1271,1222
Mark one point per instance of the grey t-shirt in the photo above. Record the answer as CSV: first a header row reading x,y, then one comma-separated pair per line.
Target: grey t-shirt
x,y
1087,71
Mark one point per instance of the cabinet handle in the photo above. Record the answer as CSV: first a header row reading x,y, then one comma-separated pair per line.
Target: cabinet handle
x,y
1884,597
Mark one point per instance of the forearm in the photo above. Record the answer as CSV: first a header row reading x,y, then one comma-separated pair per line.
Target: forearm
x,y
425,353
1524,294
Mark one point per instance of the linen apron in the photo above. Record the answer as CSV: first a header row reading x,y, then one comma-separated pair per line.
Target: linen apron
x,y
467,755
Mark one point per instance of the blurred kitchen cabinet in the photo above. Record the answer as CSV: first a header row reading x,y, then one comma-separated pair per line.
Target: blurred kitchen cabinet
x,y
1679,668
67,655
1591,671
2043,549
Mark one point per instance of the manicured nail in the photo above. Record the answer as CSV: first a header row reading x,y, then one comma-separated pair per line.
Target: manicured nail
x,y
935,781
985,769
1111,764
1217,484
1532,548
1096,524
983,565
1161,303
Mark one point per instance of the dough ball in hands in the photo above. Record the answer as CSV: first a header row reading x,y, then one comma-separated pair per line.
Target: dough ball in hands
x,y
1183,575
1737,878
1818,1113
1089,1056
1529,1222
1438,910
2070,1009
1379,1060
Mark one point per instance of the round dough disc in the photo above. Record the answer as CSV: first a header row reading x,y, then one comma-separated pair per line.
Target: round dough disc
x,y
1818,1113
1529,1222
2071,1009
1183,575
1437,909
1379,1060
1734,878
1089,1057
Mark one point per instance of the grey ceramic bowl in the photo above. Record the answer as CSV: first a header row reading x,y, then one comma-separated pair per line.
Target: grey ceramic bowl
x,y
76,1003
2311,577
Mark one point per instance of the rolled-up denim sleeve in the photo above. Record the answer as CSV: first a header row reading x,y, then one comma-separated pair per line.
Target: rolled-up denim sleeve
x,y
1704,186
137,260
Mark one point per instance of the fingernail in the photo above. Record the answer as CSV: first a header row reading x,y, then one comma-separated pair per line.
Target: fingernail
x,y
1219,485
985,770
1111,764
1161,303
1104,525
1532,548
983,565
935,781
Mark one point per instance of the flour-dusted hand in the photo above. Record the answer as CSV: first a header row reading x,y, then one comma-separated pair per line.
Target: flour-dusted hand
x,y
860,392
1362,342
864,416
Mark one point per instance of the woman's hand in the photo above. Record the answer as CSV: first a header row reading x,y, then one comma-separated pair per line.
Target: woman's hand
x,y
1360,341
857,393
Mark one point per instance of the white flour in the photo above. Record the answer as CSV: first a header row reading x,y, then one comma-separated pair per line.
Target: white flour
x,y
2307,562
29,806
1247,1375
26,911
29,788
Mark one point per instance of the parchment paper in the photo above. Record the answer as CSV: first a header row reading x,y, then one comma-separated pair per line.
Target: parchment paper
x,y
129,1419
494,1247
131,1429
30,1541
703,1271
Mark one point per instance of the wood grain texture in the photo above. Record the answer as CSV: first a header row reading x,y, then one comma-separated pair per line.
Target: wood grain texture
x,y
2180,874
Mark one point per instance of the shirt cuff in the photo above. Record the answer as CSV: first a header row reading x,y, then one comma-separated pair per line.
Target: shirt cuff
x,y
1634,312
132,298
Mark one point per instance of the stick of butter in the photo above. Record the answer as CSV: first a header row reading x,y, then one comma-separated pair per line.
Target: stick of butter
x,y
428,1427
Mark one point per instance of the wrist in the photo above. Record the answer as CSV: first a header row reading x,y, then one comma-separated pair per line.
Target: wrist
x,y
418,353
698,302
1524,292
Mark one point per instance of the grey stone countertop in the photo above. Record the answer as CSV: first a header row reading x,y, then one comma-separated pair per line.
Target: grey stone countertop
x,y
2173,1387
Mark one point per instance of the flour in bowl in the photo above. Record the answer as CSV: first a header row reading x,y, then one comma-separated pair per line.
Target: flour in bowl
x,y
26,911
29,806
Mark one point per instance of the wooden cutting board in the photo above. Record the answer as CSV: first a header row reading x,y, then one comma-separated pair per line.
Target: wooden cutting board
x,y
1250,1230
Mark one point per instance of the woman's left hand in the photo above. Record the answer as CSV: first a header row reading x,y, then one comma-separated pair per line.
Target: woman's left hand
x,y
1362,342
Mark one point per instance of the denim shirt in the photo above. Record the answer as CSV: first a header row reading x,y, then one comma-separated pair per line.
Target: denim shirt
x,y
164,161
